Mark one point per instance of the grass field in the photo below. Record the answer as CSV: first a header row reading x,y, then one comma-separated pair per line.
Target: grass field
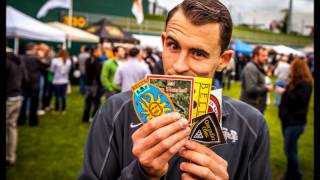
x,y
54,150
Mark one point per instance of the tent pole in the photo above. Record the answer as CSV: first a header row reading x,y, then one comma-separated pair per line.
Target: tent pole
x,y
70,22
16,45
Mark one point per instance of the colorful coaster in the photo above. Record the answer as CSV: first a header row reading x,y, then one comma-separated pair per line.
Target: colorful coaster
x,y
149,101
206,130
190,95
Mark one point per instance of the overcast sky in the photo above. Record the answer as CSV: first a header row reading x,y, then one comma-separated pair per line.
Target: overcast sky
x,y
301,6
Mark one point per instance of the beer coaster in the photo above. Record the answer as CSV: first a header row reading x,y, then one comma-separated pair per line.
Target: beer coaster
x,y
149,101
207,130
214,107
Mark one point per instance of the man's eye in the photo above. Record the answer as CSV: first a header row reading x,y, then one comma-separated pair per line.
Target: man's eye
x,y
173,46
198,54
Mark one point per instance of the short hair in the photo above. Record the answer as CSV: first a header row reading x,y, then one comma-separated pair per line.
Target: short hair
x,y
202,12
116,49
134,52
30,46
257,50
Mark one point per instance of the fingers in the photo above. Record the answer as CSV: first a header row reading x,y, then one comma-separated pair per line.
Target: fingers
x,y
219,169
199,171
192,145
163,133
155,124
167,155
186,176
164,150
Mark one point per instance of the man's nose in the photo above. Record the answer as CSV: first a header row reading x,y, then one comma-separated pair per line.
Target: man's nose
x,y
181,64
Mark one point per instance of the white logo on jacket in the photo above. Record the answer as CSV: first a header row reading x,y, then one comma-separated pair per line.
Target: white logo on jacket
x,y
232,135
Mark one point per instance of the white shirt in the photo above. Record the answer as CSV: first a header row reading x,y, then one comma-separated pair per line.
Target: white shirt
x,y
60,70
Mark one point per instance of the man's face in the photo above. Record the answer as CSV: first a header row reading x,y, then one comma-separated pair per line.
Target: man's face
x,y
121,53
97,53
192,50
262,56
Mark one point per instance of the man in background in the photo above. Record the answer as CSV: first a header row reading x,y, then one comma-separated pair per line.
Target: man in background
x,y
16,76
34,66
131,71
109,69
83,56
253,87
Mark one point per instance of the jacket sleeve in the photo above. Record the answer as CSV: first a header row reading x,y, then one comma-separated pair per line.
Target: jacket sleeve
x,y
101,154
251,81
104,77
259,167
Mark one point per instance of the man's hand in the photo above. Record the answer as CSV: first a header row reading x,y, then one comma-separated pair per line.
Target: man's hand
x,y
157,141
205,164
269,87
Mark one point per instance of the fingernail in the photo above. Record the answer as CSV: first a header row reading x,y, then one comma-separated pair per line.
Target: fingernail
x,y
187,130
182,165
184,123
175,115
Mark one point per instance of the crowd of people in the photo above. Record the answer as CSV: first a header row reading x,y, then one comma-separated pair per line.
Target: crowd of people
x,y
42,74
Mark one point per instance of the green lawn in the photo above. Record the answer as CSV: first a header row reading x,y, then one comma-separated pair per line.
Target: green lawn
x,y
54,150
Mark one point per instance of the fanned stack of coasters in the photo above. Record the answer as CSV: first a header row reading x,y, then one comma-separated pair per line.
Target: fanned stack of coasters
x,y
190,96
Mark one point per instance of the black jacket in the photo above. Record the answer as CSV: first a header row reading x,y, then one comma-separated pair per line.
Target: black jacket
x,y
93,70
34,68
108,150
253,90
294,104
16,75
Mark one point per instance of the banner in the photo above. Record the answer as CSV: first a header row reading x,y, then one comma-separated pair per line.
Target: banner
x,y
52,4
137,10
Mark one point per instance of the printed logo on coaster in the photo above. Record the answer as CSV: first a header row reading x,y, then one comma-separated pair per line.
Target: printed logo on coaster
x,y
149,101
207,130
214,106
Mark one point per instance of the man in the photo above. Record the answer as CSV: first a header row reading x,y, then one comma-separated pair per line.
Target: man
x,y
253,87
282,74
131,71
83,56
93,84
109,69
119,147
34,66
16,77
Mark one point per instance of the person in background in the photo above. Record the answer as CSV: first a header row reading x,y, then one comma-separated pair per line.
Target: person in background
x,y
150,60
61,67
229,73
34,66
253,87
109,69
282,73
293,111
131,71
83,56
44,52
16,76
93,84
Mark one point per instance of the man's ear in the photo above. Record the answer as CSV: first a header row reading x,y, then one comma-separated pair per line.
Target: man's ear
x,y
224,59
163,37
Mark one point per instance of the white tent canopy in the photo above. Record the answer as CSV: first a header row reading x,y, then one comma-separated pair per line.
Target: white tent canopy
x,y
281,49
75,34
19,25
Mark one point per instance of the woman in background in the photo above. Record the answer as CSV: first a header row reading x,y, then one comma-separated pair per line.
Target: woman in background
x,y
293,113
60,67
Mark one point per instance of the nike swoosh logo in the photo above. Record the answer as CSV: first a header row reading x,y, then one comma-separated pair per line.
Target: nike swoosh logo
x,y
134,125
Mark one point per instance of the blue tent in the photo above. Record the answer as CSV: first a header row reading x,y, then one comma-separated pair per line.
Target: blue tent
x,y
242,47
